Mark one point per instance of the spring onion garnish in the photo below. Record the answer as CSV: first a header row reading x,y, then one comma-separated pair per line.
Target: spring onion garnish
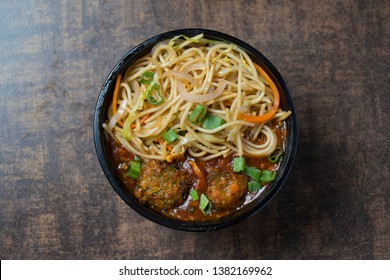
x,y
253,186
198,115
238,164
267,176
274,157
204,204
212,121
194,195
134,169
152,93
253,172
137,158
154,88
170,136
126,127
147,78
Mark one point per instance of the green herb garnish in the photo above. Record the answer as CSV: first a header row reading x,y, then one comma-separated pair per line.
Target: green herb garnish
x,y
274,157
198,115
253,172
134,169
194,195
238,164
253,186
212,121
204,204
170,136
267,176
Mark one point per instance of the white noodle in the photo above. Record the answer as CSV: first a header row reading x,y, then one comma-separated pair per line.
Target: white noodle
x,y
220,76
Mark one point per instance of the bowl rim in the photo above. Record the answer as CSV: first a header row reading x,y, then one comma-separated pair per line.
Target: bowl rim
x,y
197,226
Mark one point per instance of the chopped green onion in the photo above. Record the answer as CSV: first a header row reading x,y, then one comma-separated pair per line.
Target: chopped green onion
x,y
274,157
238,164
253,172
170,136
194,195
254,186
139,103
134,169
126,127
137,158
204,204
198,115
151,99
267,176
212,121
147,78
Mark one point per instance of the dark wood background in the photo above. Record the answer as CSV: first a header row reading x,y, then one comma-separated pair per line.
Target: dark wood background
x,y
55,202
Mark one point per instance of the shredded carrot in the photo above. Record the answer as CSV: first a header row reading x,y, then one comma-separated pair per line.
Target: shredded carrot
x,y
114,100
271,113
142,120
201,184
202,181
162,142
147,105
195,168
169,147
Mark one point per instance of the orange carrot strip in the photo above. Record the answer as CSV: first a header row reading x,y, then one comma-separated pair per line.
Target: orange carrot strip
x,y
169,147
114,100
195,168
142,120
162,142
202,182
271,113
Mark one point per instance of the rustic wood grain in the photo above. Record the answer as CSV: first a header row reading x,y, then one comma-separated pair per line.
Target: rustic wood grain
x,y
55,201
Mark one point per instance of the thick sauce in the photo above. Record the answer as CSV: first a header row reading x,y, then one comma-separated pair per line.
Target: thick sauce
x,y
189,209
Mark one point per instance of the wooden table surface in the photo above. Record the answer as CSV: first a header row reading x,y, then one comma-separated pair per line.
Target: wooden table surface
x,y
56,202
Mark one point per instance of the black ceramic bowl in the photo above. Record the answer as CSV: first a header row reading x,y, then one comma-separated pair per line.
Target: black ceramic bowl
x,y
101,146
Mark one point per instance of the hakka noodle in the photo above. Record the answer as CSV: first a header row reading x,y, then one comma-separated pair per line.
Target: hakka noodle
x,y
195,96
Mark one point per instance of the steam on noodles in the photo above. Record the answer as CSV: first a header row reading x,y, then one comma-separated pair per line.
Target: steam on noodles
x,y
195,96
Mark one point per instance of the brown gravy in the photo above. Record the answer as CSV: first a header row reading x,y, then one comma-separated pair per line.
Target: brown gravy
x,y
189,210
